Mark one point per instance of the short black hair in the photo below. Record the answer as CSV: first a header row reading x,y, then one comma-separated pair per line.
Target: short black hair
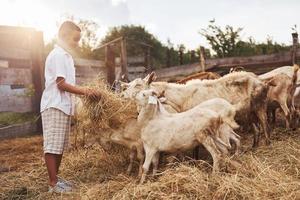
x,y
66,27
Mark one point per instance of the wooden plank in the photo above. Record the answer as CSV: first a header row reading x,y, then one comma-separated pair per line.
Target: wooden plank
x,y
251,60
222,65
4,63
12,29
202,58
14,40
15,104
89,63
84,80
124,61
14,53
110,64
92,74
37,58
136,60
15,37
139,69
88,71
13,76
37,49
165,73
108,43
19,63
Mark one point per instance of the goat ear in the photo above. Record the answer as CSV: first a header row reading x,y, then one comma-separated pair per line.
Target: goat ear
x,y
154,77
146,77
162,94
150,78
123,78
154,94
240,81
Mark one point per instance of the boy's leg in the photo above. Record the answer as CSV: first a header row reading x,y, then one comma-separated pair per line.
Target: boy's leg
x,y
51,163
58,161
56,135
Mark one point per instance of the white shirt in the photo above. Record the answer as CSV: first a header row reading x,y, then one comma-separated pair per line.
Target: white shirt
x,y
59,63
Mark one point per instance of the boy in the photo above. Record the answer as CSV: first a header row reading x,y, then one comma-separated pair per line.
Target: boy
x,y
56,104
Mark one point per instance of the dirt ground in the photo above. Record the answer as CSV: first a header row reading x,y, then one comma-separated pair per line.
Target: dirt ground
x,y
270,172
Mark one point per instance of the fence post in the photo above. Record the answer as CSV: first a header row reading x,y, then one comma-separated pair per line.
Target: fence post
x,y
202,58
148,60
124,65
168,63
110,64
192,56
180,56
37,58
294,48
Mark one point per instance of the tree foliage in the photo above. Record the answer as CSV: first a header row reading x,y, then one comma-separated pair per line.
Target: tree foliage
x,y
223,42
138,40
89,38
227,42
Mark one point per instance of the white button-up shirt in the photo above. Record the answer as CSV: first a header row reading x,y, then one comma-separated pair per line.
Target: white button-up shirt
x,y
59,63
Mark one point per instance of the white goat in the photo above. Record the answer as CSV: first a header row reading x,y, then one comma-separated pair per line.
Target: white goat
x,y
242,88
171,132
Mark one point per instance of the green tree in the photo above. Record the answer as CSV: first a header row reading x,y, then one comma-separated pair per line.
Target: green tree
x,y
222,41
227,42
250,47
137,40
89,39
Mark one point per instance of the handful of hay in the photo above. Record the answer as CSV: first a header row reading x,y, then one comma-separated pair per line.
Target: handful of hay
x,y
110,111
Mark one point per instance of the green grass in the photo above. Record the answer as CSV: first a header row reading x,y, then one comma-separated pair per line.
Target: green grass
x,y
9,118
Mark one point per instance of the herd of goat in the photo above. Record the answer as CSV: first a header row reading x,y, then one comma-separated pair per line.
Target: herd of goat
x,y
175,117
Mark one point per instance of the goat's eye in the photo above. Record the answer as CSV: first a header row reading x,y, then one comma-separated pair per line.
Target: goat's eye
x,y
144,95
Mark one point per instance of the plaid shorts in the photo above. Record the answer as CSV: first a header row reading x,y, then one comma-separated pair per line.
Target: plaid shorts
x,y
56,126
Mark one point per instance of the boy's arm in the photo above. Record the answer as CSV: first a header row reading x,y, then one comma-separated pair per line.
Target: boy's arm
x,y
62,85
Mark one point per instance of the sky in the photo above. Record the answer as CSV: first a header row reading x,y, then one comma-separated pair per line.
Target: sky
x,y
177,20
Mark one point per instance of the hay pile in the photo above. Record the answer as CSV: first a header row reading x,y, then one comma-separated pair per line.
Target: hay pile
x,y
268,173
110,111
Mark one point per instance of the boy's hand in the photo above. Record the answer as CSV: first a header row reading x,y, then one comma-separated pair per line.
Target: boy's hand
x,y
91,93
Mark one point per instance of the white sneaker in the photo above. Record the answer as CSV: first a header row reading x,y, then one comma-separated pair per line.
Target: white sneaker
x,y
68,183
60,187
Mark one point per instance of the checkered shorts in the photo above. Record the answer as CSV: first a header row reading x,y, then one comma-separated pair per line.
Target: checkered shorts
x,y
56,126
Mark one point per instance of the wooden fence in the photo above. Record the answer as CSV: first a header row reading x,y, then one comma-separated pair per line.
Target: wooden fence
x,y
17,87
22,65
21,60
257,64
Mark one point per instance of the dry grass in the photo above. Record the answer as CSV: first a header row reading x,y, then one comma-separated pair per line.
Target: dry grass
x,y
108,112
268,173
